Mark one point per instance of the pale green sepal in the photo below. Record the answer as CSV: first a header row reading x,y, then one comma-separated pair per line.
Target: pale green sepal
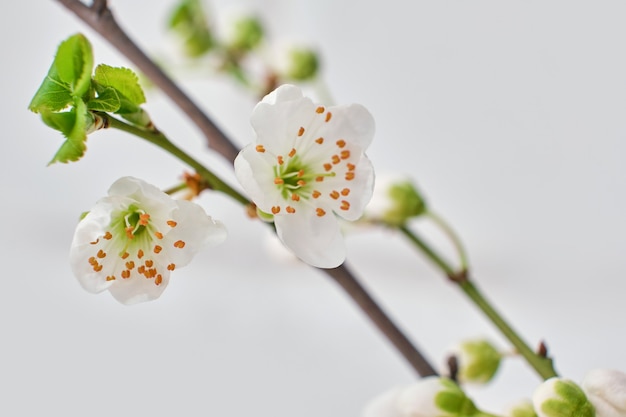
x,y
266,217
479,361
570,401
453,400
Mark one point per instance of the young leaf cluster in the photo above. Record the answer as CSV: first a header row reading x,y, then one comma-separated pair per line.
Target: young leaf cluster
x,y
70,97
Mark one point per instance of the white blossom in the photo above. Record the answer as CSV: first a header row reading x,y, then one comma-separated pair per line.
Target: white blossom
x,y
306,166
606,389
131,241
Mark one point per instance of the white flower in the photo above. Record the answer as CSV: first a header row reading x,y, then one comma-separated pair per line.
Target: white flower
x,y
606,390
132,239
307,165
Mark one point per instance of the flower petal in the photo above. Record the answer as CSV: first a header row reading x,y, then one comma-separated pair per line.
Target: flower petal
x,y
278,118
137,290
255,174
315,240
353,123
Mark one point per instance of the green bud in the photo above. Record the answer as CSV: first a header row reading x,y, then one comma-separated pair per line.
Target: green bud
x,y
478,361
558,397
436,397
395,200
247,34
302,64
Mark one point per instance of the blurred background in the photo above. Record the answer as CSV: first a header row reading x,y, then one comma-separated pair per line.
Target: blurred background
x,y
510,117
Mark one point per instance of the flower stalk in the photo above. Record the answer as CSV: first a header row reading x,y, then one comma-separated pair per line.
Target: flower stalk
x,y
541,364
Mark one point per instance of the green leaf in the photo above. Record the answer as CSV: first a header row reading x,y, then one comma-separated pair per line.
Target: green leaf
x,y
123,80
74,124
74,63
69,76
52,95
108,101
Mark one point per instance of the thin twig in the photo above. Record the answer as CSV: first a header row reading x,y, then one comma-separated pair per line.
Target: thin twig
x,y
99,17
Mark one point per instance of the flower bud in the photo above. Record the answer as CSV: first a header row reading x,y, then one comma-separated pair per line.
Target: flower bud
x,y
478,361
302,64
395,200
435,397
606,390
246,33
523,408
559,397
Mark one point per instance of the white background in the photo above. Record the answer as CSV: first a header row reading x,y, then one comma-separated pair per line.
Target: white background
x,y
509,114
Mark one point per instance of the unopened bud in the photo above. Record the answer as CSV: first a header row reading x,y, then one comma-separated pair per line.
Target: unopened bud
x,y
246,33
558,397
477,360
606,389
394,201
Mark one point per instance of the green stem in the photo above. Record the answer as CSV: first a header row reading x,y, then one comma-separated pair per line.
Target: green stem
x,y
454,238
157,138
176,188
542,365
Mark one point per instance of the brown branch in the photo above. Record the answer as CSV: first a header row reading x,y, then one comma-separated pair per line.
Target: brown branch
x,y
370,307
99,17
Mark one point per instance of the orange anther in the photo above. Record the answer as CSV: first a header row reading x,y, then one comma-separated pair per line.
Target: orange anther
x,y
290,210
95,242
345,205
171,223
275,209
345,192
301,131
111,278
341,143
129,232
97,267
319,179
279,181
349,176
124,255
157,249
141,269
149,263
140,253
260,148
158,235
171,267
351,167
316,194
126,273
301,183
92,260
320,212
280,159
130,265
319,110
143,219
292,152
300,173
345,154
328,116
328,167
334,195
108,235
335,159
158,280
101,254
179,244
319,141
295,197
